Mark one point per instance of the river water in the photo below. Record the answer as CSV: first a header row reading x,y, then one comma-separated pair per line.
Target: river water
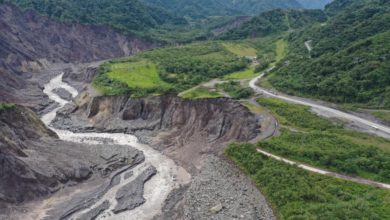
x,y
169,176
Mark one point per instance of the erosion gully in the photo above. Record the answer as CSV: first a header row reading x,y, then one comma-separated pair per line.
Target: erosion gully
x,y
169,176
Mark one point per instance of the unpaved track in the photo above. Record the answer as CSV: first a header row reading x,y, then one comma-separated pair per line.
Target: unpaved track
x,y
169,176
378,128
331,112
327,173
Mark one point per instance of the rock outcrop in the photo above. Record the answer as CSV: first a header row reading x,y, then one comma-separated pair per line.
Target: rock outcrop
x,y
183,129
30,43
35,163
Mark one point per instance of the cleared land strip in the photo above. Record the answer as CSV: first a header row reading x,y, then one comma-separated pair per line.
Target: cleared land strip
x,y
327,173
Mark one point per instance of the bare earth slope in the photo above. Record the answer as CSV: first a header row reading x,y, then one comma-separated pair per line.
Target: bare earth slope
x,y
35,163
30,43
184,129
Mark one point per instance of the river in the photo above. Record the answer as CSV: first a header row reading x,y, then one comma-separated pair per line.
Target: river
x,y
169,176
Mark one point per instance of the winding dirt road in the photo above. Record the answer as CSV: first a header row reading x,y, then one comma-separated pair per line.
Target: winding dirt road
x,y
324,109
327,173
332,113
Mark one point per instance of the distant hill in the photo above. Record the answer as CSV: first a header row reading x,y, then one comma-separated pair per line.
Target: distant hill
x,y
124,15
274,22
314,4
204,8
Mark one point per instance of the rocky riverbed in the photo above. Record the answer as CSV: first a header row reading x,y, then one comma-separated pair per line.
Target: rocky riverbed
x,y
218,189
144,182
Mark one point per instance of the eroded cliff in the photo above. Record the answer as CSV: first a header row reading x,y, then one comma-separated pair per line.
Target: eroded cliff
x,y
30,43
183,129
35,163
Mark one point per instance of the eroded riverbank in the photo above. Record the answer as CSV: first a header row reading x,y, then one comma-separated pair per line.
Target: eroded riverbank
x,y
191,133
168,175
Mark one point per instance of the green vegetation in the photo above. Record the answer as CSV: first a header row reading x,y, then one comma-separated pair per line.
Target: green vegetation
x,y
244,74
204,8
349,62
275,22
240,49
298,194
166,21
5,106
235,90
317,141
138,74
124,15
171,69
135,77
200,93
253,107
381,114
281,50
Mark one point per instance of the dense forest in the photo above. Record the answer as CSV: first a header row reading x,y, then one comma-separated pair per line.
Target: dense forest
x,y
124,15
205,8
168,21
349,60
275,22
340,54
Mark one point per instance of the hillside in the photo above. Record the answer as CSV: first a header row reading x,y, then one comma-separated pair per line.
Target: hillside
x,y
275,22
314,4
123,15
30,43
204,8
349,60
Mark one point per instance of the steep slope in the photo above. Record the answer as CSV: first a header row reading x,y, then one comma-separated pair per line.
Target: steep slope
x,y
183,129
349,57
124,15
204,8
30,43
274,22
254,7
35,163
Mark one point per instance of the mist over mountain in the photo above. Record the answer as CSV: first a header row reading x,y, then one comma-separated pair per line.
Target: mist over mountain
x,y
204,8
314,4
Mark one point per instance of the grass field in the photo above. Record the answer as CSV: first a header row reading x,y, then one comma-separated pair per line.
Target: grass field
x,y
240,49
241,75
299,194
199,93
254,108
235,90
382,115
170,69
281,50
311,139
138,74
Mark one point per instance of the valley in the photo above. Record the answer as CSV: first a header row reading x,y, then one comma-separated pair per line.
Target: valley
x,y
162,109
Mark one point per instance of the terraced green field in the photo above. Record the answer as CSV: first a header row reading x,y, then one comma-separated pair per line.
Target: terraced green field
x,y
138,74
241,75
240,49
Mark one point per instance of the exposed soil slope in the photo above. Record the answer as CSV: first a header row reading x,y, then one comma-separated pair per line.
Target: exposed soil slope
x,y
35,163
183,129
30,43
